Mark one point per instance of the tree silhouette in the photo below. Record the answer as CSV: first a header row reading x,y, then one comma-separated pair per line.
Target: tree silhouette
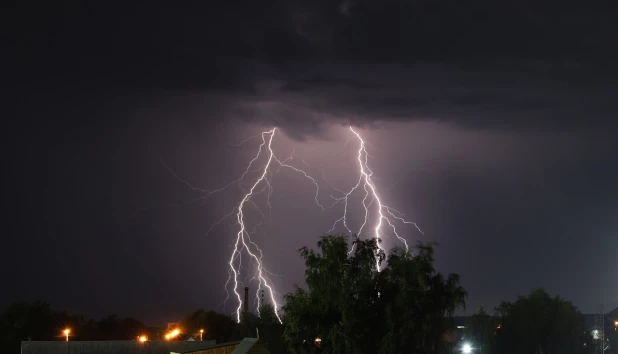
x,y
481,330
540,324
216,326
354,308
23,321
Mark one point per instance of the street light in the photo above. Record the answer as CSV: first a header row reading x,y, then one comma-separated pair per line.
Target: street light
x,y
201,333
66,333
142,338
172,334
467,348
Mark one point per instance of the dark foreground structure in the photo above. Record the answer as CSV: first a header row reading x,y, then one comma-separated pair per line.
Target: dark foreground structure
x,y
246,346
112,347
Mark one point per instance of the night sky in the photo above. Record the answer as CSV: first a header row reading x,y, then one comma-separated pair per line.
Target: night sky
x,y
492,125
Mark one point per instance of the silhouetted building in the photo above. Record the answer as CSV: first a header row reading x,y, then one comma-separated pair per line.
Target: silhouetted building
x,y
112,346
245,346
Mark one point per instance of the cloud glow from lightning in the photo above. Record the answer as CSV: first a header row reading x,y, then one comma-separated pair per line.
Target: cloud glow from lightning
x,y
386,217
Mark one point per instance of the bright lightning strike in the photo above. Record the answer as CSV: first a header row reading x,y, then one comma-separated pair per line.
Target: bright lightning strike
x,y
243,238
386,214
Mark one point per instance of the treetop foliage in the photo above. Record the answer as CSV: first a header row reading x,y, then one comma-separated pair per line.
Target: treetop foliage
x,y
354,307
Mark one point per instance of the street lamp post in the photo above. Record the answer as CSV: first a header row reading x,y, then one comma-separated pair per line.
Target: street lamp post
x,y
201,334
66,333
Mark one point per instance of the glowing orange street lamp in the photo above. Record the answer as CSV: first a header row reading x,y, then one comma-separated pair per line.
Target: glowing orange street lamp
x,y
172,334
66,333
142,338
201,333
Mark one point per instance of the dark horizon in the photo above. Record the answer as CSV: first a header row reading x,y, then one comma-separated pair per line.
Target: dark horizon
x,y
492,126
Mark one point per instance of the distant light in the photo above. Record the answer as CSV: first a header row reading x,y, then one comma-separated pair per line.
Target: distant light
x,y
616,323
142,338
201,331
460,327
318,341
66,333
467,348
172,334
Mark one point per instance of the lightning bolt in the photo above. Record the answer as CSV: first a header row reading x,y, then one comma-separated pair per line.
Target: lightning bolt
x,y
243,237
386,214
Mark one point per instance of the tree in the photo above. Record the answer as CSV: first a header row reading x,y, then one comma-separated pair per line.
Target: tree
x,y
216,326
611,329
419,302
337,288
23,321
114,327
352,307
266,325
37,321
540,324
481,330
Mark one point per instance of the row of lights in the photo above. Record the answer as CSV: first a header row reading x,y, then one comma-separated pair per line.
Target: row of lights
x,y
142,338
467,348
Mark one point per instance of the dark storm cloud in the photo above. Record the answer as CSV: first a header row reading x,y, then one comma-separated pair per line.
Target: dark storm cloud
x,y
237,43
536,66
155,43
295,64
361,94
